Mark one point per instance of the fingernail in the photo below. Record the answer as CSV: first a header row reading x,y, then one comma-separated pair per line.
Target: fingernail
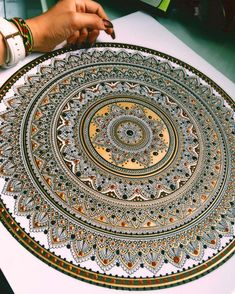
x,y
113,35
107,23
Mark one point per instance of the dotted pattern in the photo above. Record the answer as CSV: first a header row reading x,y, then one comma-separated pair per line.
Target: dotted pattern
x,y
174,211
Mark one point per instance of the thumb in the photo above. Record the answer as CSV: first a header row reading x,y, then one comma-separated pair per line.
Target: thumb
x,y
87,20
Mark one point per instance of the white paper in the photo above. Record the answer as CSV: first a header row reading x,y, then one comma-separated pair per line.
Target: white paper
x,y
26,273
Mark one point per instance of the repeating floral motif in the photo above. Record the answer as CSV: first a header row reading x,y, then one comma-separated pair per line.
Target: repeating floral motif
x,y
163,184
134,137
121,158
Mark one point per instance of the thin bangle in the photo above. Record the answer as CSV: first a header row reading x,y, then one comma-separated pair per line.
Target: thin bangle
x,y
25,32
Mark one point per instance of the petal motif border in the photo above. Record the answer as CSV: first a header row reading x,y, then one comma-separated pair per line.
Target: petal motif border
x,y
125,283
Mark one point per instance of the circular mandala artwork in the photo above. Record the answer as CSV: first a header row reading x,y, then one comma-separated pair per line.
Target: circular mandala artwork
x,y
118,164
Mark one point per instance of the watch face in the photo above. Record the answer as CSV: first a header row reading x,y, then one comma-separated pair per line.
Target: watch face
x,y
118,163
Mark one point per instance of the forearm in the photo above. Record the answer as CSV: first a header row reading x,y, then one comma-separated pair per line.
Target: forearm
x,y
77,22
2,50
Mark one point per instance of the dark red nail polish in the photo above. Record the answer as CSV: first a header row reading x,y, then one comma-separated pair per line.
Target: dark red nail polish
x,y
107,23
113,35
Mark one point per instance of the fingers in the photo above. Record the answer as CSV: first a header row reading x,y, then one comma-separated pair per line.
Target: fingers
x,y
94,7
74,39
92,36
86,20
90,22
83,36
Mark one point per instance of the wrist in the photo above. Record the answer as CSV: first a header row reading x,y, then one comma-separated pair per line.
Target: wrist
x,y
32,24
38,30
12,43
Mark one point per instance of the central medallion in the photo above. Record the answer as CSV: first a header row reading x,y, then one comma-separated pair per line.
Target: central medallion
x,y
127,136
125,147
129,133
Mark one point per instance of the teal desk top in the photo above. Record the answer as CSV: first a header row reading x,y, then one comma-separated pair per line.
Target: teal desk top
x,y
212,44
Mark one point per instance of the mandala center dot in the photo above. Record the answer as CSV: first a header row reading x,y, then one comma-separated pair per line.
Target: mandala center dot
x,y
130,133
133,134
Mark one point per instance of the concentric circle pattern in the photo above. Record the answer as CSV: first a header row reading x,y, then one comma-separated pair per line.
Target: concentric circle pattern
x,y
119,166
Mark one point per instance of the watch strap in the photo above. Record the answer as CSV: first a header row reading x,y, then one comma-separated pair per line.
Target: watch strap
x,y
14,42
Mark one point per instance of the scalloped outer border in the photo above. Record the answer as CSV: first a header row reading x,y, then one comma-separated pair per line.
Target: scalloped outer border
x,y
110,281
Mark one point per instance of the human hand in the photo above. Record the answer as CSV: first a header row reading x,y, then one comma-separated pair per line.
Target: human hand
x,y
77,21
